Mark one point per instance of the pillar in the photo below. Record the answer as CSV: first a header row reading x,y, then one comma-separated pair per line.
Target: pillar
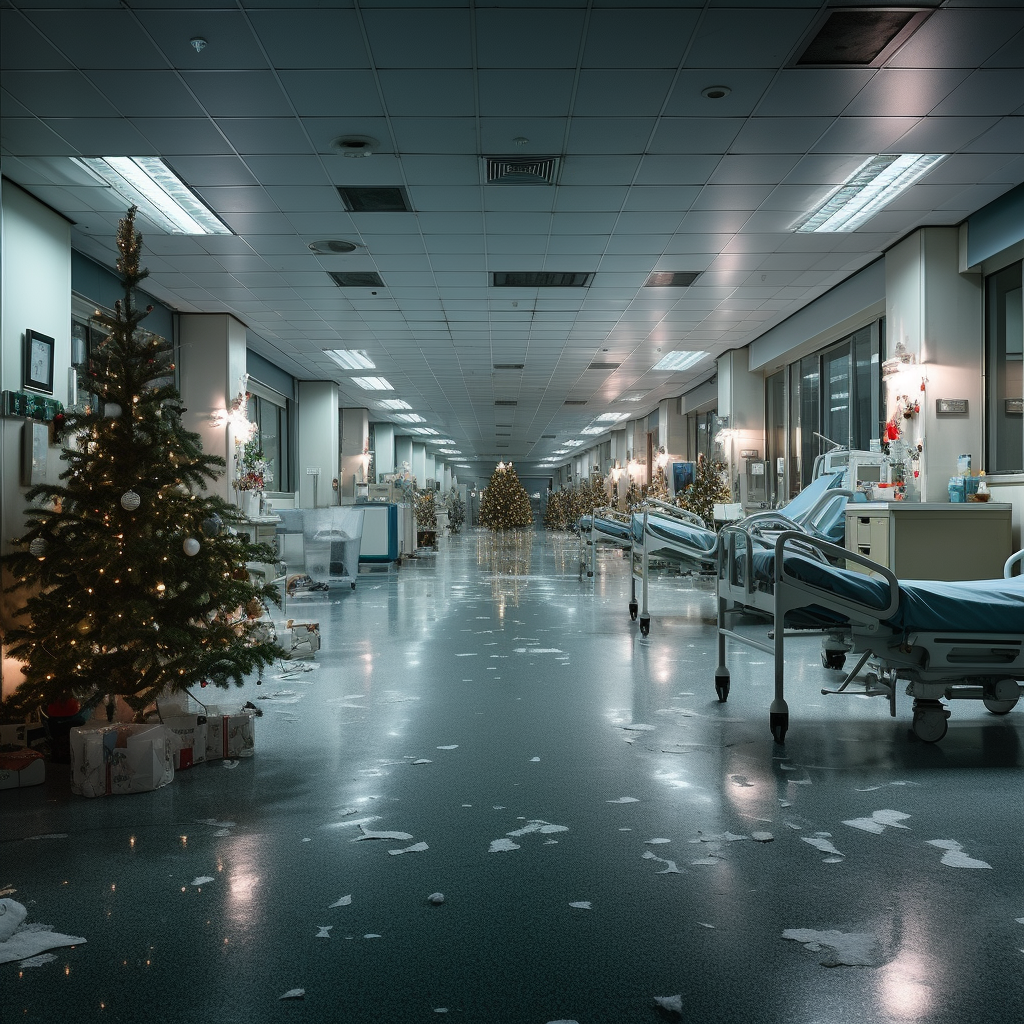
x,y
383,449
319,438
355,436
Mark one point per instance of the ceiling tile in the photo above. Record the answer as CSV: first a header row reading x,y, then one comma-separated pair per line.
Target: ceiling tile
x,y
264,134
812,91
611,93
295,37
958,38
438,38
238,93
548,38
895,92
230,42
747,38
780,134
101,136
57,93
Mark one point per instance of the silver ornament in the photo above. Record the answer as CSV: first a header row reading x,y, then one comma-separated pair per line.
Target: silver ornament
x,y
190,546
37,547
130,501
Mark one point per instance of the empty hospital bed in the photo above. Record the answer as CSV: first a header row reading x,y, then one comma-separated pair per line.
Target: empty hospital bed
x,y
940,640
676,535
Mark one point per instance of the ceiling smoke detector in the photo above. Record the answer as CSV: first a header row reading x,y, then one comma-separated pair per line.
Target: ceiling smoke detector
x,y
715,92
333,246
355,145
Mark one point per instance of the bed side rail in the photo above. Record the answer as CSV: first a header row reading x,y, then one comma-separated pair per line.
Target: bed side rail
x,y
1017,558
845,605
663,507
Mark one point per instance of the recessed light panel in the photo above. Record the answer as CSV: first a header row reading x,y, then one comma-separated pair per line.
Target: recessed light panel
x,y
409,417
372,383
350,358
612,417
356,278
422,430
671,279
393,403
876,183
674,362
161,196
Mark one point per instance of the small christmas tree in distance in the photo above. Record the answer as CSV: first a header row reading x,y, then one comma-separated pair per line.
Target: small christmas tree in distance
x,y
505,504
132,580
708,489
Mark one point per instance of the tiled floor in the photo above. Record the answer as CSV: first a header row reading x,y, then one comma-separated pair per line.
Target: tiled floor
x,y
531,698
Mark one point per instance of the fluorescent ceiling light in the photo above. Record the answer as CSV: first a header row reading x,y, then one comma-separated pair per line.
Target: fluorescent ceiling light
x,y
450,451
161,196
612,417
632,396
422,430
440,440
594,430
350,358
410,417
372,383
571,444
562,451
874,184
676,361
393,403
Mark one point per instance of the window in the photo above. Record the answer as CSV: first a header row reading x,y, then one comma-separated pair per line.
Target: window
x,y
269,411
1004,352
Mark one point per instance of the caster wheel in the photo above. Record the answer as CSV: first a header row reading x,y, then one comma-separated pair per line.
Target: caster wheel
x,y
590,575
833,659
722,686
353,586
930,722
779,725
634,609
645,627
999,707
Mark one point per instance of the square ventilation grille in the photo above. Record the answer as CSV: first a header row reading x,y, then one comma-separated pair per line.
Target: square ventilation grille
x,y
540,279
672,279
522,170
374,199
356,278
859,37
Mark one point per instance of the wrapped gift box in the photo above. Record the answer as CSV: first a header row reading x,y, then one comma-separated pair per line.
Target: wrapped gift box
x,y
120,759
301,640
13,736
230,732
20,768
190,733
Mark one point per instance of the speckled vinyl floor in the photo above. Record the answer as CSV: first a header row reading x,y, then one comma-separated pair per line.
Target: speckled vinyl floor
x,y
471,708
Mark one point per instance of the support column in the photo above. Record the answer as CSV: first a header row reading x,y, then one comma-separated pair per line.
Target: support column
x,y
419,463
355,436
212,355
741,400
403,453
938,314
319,438
672,428
383,449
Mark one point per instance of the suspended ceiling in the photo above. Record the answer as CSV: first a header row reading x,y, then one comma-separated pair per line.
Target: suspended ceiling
x,y
651,175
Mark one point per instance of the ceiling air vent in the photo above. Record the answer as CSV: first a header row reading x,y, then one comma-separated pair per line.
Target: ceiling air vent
x,y
522,170
859,37
575,401
374,199
672,279
333,246
498,433
540,279
356,278
547,437
604,366
505,401
508,366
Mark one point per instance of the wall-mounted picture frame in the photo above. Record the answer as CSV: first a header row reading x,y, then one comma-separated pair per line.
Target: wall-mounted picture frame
x,y
38,364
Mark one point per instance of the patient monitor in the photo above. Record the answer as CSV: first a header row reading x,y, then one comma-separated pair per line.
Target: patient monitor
x,y
862,469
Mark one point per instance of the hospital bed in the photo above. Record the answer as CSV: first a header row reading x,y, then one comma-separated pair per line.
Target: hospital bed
x,y
941,640
677,535
603,525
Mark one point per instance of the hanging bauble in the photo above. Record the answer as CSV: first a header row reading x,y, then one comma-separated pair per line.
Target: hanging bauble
x,y
84,625
130,501
241,573
37,547
212,525
190,546
111,410
59,421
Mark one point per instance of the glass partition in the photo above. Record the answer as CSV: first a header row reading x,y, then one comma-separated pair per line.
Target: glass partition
x,y
1004,332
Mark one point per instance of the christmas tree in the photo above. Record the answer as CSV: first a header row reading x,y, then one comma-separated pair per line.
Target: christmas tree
x,y
132,578
456,512
426,519
708,489
505,504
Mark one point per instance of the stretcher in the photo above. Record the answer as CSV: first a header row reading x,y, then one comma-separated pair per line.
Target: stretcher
x,y
676,535
602,526
939,640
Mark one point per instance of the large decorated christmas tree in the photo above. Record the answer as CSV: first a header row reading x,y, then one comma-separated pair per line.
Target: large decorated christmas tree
x,y
708,489
131,578
505,505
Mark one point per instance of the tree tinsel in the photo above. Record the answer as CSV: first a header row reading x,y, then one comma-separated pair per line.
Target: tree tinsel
x,y
505,505
709,488
132,579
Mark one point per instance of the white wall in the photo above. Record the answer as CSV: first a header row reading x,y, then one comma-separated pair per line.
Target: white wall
x,y
212,364
319,438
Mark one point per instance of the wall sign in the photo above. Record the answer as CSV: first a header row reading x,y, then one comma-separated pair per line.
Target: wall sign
x,y
1014,406
38,366
951,407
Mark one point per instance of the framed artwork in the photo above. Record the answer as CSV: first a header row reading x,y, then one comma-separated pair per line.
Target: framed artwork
x,y
38,365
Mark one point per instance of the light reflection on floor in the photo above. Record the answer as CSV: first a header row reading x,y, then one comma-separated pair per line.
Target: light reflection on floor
x,y
469,694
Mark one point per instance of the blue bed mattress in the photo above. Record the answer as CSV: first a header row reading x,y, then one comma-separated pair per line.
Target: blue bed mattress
x,y
679,534
927,606
612,528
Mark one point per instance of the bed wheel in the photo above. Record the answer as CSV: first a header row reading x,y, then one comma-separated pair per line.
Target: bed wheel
x,y
833,659
645,625
634,608
590,575
722,684
930,723
999,707
779,724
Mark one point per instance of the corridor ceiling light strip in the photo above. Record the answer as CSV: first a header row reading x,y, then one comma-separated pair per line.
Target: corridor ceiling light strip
x,y
612,417
372,383
450,451
422,430
161,196
350,358
676,361
440,440
393,403
410,417
594,430
874,184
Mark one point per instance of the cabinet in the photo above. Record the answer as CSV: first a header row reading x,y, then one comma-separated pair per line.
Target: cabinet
x,y
931,541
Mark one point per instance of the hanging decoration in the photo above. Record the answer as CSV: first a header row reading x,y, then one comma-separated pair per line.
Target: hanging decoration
x,y
130,501
190,546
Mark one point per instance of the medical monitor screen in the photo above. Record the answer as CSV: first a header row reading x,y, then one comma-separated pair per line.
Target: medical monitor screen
x,y
683,474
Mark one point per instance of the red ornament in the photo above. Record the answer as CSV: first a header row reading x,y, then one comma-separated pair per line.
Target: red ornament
x,y
66,708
